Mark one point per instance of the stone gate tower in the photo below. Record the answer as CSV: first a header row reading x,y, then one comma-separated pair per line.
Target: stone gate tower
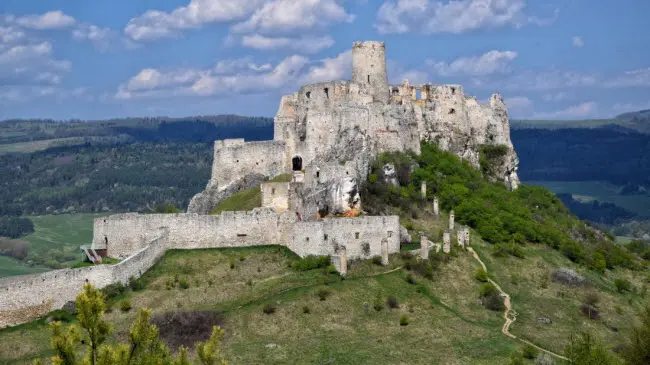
x,y
369,68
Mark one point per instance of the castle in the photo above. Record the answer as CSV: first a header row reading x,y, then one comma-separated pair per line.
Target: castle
x,y
325,136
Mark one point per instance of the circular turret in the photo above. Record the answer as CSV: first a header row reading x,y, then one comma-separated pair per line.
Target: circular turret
x,y
369,68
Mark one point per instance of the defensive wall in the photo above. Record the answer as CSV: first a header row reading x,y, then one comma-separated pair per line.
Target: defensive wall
x,y
27,297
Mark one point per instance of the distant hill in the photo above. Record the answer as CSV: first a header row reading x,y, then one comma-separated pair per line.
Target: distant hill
x,y
638,121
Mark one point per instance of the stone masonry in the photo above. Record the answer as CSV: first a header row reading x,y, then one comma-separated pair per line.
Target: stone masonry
x,y
333,130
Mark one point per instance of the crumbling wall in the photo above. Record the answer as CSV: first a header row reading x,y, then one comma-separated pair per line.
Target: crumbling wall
x,y
238,165
127,233
276,196
27,297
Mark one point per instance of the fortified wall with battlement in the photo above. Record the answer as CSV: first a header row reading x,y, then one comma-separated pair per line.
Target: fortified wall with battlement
x,y
340,126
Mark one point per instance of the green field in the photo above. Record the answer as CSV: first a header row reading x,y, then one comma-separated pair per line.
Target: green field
x,y
602,191
55,236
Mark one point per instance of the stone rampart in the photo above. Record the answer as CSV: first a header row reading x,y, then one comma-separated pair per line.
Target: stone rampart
x,y
27,297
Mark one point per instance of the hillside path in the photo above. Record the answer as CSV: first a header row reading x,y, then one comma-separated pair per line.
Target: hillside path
x,y
506,314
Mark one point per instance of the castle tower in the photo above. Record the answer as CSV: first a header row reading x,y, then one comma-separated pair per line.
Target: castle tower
x,y
369,68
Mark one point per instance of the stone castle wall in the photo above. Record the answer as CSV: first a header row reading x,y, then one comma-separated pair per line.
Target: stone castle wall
x,y
275,195
238,165
27,297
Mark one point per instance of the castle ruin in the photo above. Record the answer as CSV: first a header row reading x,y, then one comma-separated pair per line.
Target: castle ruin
x,y
326,137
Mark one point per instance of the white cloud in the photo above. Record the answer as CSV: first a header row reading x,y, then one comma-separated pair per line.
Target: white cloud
x,y
283,15
99,37
155,24
229,77
485,64
14,55
635,78
51,20
578,41
579,111
305,44
337,68
540,80
519,102
455,16
10,35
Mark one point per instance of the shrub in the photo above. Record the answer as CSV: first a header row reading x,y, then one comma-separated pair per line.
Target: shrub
x,y
125,305
494,302
136,284
623,285
404,320
310,262
410,279
529,352
591,298
376,260
269,308
378,305
568,277
232,264
183,284
589,311
323,294
114,290
488,289
306,309
249,282
242,257
392,302
481,275
516,359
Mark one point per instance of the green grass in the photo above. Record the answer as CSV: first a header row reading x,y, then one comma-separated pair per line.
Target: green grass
x,y
34,146
246,199
54,236
11,267
602,191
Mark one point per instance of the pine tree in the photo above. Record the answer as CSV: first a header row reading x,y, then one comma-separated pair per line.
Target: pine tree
x,y
90,306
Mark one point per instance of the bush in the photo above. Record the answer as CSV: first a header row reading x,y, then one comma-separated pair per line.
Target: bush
x,y
392,302
306,309
269,308
310,262
323,294
591,298
378,305
589,311
232,263
136,284
481,275
488,289
183,284
529,352
114,290
404,320
623,285
410,279
376,260
125,305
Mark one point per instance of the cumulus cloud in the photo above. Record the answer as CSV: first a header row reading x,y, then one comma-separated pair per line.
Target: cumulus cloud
x,y
155,24
226,77
577,41
519,103
455,16
306,44
337,68
488,63
55,19
101,38
282,15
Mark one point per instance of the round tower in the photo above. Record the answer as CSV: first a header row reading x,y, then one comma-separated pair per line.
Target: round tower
x,y
369,68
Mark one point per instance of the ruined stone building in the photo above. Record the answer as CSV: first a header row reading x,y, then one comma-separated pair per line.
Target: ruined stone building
x,y
328,133
326,136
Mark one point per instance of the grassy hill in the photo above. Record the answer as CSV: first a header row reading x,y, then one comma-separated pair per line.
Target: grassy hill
x,y
274,313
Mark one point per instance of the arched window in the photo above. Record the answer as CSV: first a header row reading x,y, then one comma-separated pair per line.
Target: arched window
x,y
297,163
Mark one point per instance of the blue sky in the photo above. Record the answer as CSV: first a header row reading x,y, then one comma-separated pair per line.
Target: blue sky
x,y
550,59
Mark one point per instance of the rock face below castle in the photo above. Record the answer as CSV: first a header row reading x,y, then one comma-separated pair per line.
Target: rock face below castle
x,y
329,133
